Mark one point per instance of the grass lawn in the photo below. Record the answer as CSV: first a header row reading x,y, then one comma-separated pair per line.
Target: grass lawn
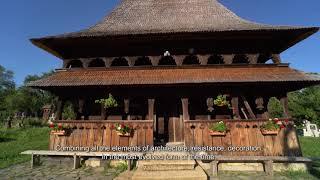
x,y
310,146
14,141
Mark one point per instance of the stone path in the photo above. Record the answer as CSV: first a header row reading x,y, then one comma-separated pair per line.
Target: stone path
x,y
53,170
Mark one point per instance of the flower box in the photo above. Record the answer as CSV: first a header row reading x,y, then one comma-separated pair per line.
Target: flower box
x,y
216,133
124,135
269,132
59,132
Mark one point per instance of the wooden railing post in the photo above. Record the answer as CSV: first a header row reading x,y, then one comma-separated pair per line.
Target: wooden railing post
x,y
235,107
284,102
60,106
127,108
150,109
185,108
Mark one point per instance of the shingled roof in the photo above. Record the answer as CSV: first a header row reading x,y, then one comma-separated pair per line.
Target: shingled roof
x,y
163,17
170,16
175,75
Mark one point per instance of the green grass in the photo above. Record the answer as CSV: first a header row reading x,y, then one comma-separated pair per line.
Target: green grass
x,y
310,146
14,141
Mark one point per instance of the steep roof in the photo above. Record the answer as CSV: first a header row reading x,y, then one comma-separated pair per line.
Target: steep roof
x,y
170,16
161,17
176,75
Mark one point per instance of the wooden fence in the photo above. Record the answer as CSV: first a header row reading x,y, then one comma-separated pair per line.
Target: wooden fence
x,y
243,133
101,133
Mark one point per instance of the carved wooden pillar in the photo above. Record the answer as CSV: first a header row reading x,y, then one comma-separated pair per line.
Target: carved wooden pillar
x,y
203,59
103,113
284,102
131,60
185,108
80,112
253,58
150,109
228,58
85,62
60,106
127,108
276,58
154,60
261,106
179,59
65,63
107,61
235,107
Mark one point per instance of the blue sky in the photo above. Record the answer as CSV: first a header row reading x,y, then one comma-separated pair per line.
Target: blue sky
x,y
25,19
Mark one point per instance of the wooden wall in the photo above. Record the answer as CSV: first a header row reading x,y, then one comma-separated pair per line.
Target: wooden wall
x,y
243,133
100,133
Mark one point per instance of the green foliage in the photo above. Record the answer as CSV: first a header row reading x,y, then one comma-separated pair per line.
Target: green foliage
x,y
270,126
108,102
220,127
275,108
221,100
68,111
305,104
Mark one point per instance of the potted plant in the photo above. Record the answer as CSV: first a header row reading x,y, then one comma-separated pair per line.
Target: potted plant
x,y
218,129
124,130
221,101
58,129
109,102
272,127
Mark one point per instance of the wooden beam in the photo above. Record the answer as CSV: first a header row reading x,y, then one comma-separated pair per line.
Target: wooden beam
x,y
60,106
107,61
247,105
235,107
103,112
276,58
127,108
203,59
253,58
150,109
179,59
185,108
284,102
154,60
228,58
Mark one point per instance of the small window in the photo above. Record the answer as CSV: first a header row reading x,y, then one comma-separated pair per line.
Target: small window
x,y
74,64
167,60
192,59
143,61
215,59
240,59
97,63
120,62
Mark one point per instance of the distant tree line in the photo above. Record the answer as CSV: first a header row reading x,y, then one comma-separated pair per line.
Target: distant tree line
x,y
21,100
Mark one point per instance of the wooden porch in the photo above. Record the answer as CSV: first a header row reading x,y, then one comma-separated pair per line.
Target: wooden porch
x,y
241,134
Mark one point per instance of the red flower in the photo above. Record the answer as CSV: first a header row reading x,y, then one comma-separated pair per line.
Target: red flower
x,y
60,126
122,125
51,126
282,126
112,126
287,120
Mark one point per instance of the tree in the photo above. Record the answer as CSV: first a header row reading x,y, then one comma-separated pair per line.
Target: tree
x,y
305,104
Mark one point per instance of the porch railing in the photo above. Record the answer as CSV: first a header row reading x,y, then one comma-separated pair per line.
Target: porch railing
x,y
243,133
100,133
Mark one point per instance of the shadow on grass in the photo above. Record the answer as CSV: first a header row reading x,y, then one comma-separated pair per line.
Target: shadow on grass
x,y
315,169
6,140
